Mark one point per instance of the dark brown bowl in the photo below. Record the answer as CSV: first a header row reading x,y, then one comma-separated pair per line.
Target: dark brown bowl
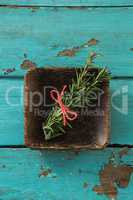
x,y
90,130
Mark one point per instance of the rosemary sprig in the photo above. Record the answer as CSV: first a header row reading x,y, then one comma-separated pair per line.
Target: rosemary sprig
x,y
85,83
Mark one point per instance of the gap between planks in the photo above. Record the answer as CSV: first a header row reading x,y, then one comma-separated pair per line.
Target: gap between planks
x,y
22,77
78,7
108,146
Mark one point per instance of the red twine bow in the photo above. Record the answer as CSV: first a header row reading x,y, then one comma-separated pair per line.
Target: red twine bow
x,y
66,112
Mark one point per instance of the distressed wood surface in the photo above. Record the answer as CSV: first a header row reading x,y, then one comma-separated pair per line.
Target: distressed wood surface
x,y
40,34
68,3
70,175
11,112
43,32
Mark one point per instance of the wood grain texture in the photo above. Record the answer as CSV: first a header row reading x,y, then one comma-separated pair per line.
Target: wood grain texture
x,y
121,111
40,34
26,178
11,111
43,31
11,117
68,3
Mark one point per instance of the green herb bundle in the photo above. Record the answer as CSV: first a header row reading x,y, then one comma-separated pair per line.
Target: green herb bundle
x,y
84,83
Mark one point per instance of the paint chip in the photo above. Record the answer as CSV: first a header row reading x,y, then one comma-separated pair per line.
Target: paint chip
x,y
112,177
67,52
45,172
8,70
72,51
27,64
92,42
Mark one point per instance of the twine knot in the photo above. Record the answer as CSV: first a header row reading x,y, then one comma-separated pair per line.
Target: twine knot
x,y
67,114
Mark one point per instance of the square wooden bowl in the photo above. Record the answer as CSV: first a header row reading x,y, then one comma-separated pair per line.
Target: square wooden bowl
x,y
90,130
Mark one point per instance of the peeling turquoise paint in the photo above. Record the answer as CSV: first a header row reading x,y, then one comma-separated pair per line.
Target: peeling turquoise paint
x,y
38,30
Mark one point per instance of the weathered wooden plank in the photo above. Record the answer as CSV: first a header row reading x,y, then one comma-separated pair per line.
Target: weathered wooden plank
x,y
11,112
121,111
23,174
11,122
41,34
68,3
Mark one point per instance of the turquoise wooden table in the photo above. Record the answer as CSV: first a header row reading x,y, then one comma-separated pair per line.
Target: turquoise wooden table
x,y
46,33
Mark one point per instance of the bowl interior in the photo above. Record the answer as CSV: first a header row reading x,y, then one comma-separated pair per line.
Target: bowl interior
x,y
89,130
